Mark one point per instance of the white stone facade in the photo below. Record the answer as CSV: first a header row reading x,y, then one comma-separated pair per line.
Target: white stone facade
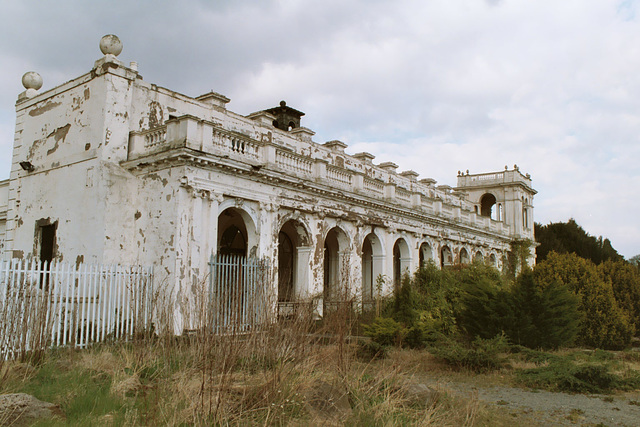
x,y
118,170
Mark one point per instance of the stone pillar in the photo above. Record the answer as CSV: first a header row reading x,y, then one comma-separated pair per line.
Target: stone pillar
x,y
390,191
212,225
358,182
303,272
378,271
320,170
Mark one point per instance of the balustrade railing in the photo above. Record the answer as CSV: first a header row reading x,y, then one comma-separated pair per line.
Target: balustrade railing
x,y
154,137
374,186
190,132
338,175
294,162
403,194
488,177
235,144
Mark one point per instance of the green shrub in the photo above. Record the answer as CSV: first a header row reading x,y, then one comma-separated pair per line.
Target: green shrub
x,y
385,331
625,282
604,323
563,375
485,306
370,350
481,356
404,302
415,337
542,317
437,293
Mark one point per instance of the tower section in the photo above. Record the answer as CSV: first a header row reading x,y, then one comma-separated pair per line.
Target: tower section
x,y
505,196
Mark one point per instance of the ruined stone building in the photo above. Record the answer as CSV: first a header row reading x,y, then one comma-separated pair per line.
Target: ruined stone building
x,y
109,168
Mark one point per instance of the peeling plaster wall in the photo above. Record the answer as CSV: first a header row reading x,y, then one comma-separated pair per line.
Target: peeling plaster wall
x,y
132,173
59,133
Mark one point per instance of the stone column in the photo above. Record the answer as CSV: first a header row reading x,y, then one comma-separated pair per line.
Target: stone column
x,y
303,272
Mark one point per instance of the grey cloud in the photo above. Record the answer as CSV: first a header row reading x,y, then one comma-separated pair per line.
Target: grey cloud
x,y
432,86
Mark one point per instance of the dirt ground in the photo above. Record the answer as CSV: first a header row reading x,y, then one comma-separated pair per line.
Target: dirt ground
x,y
544,408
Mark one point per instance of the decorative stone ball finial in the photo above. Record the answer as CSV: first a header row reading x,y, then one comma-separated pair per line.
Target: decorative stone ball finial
x,y
32,80
110,45
283,104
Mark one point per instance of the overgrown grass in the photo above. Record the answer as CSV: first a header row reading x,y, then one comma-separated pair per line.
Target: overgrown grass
x,y
579,371
262,378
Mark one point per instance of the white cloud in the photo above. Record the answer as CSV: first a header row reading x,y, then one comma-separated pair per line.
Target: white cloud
x,y
433,86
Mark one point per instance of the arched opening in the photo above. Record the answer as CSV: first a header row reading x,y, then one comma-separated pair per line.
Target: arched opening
x,y
336,267
479,258
286,262
493,261
236,292
293,265
446,258
464,256
291,126
425,254
401,260
371,269
487,201
232,233
525,213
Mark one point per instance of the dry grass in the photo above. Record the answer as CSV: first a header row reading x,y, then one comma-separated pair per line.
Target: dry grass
x,y
269,377
292,372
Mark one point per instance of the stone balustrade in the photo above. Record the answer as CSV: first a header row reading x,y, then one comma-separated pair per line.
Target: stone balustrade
x,y
305,159
483,179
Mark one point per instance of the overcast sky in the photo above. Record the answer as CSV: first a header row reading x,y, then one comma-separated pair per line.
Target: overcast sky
x,y
434,86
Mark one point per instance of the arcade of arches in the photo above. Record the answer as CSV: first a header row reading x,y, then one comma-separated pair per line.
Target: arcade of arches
x,y
335,265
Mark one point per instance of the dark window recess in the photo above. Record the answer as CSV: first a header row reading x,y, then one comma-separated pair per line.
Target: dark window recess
x,y
47,242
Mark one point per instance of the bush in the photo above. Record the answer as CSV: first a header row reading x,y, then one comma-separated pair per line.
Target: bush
x,y
562,375
625,282
404,302
370,350
485,307
604,323
483,354
545,318
437,294
385,331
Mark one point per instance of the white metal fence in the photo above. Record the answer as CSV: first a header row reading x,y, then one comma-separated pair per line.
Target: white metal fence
x,y
56,304
238,293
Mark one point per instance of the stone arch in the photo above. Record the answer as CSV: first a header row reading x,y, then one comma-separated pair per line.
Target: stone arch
x,y
401,260
464,256
249,219
479,258
336,266
487,202
294,253
236,232
372,263
446,256
298,228
493,260
425,254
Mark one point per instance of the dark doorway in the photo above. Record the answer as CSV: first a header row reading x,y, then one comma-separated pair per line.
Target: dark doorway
x,y
47,242
232,233
285,268
47,236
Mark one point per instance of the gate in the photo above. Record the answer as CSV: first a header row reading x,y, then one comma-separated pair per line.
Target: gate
x,y
237,292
